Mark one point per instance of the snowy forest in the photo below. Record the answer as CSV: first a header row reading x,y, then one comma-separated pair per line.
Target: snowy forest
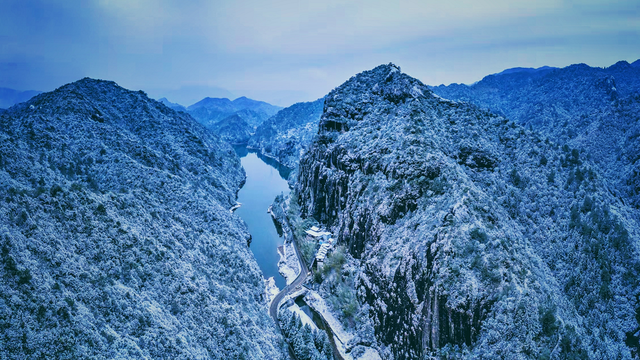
x,y
496,220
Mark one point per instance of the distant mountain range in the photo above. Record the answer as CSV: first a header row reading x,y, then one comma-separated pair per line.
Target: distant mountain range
x,y
10,97
209,111
514,70
235,121
174,106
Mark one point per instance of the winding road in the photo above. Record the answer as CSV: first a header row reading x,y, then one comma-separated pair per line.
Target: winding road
x,y
304,273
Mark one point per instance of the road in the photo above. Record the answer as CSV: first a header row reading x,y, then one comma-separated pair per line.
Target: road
x,y
304,273
273,309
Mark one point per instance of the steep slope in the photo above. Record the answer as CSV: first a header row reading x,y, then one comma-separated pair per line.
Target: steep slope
x,y
286,135
115,235
209,111
233,129
10,97
587,108
466,234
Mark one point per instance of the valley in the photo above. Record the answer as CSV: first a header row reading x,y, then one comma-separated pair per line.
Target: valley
x,y
450,224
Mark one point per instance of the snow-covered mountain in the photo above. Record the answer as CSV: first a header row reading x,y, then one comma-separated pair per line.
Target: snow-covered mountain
x,y
210,111
287,134
465,234
595,109
116,238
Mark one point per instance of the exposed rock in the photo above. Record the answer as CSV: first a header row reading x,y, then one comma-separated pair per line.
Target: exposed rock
x,y
462,240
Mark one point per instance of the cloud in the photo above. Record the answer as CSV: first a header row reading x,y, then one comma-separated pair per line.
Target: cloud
x,y
292,47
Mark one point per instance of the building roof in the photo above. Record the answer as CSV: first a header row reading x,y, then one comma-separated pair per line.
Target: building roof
x,y
317,233
322,252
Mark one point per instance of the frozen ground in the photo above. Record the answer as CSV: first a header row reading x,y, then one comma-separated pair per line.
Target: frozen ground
x,y
303,316
271,290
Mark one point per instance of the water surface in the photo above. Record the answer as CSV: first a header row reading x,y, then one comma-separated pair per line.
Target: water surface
x,y
264,183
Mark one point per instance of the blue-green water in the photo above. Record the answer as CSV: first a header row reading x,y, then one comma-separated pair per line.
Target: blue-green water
x,y
264,183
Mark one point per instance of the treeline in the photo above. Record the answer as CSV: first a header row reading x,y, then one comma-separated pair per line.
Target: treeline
x,y
307,344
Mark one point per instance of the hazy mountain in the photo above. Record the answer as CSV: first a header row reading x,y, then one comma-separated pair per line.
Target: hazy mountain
x,y
287,134
116,238
209,111
174,106
233,129
595,109
466,235
530,71
190,94
10,97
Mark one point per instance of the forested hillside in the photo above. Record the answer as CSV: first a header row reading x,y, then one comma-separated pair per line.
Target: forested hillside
x,y
592,109
233,129
116,238
467,235
286,135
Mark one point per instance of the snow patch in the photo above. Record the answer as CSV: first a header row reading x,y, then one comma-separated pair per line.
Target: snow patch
x,y
340,336
271,289
369,354
288,265
306,320
442,99
416,92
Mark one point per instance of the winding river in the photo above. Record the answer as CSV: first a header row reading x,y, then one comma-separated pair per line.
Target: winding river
x,y
265,181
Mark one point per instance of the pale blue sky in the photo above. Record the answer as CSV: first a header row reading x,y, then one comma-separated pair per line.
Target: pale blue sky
x,y
288,51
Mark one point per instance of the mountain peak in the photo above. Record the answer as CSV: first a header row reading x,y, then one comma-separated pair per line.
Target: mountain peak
x,y
622,64
386,81
89,83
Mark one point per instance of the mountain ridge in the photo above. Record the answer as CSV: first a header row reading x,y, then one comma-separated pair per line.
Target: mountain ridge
x,y
212,111
461,226
116,237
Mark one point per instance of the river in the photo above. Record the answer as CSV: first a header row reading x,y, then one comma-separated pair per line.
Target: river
x,y
265,181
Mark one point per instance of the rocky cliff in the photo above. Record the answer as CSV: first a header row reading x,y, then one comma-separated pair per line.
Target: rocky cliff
x,y
116,239
468,235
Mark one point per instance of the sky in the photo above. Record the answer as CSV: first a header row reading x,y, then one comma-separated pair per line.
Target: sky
x,y
288,51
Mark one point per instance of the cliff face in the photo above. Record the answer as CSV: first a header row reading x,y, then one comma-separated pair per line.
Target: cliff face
x,y
467,233
286,135
116,239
